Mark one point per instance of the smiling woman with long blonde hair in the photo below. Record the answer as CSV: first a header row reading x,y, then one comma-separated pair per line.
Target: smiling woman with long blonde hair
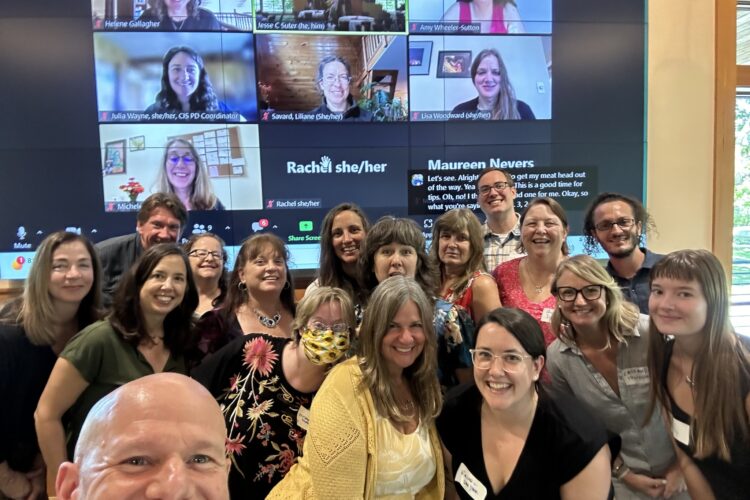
x,y
184,174
372,424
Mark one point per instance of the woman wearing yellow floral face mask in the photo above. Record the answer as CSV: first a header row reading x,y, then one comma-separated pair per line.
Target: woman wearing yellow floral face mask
x,y
265,385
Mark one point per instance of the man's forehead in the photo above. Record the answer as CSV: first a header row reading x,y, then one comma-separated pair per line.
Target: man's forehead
x,y
162,215
613,208
138,415
492,177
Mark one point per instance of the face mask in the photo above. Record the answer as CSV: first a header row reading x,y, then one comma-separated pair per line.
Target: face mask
x,y
324,347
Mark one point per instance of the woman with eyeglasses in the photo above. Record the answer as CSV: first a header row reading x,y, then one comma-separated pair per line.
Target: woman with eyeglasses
x,y
185,175
207,258
526,283
260,296
600,358
372,423
504,437
265,385
333,81
700,373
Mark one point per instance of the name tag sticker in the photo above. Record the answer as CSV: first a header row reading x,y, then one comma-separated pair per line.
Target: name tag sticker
x,y
470,484
681,431
637,375
547,314
303,418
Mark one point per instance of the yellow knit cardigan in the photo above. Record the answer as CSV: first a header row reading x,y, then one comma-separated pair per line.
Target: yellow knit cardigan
x,y
339,458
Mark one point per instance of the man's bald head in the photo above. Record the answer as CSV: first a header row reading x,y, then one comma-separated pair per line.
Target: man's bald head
x,y
160,436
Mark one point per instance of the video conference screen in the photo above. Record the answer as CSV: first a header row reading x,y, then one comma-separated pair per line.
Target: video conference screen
x,y
262,115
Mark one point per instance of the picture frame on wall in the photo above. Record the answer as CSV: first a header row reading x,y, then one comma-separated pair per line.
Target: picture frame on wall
x,y
137,143
420,56
454,64
114,158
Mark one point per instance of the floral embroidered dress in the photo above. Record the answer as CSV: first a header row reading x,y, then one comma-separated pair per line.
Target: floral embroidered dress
x,y
266,417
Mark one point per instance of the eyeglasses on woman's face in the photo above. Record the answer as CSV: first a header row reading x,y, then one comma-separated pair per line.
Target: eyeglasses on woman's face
x,y
187,159
335,328
569,294
511,362
202,254
331,79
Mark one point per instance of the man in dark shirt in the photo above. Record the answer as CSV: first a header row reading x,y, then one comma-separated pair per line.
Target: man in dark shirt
x,y
160,220
618,222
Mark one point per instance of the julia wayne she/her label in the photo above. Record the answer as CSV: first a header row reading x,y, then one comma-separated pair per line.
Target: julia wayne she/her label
x,y
470,484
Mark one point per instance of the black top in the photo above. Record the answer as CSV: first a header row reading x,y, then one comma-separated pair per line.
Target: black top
x,y
729,481
562,440
353,113
523,109
261,409
203,21
159,107
24,370
117,255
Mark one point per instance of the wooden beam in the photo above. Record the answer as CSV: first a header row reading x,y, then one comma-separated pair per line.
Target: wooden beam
x,y
724,103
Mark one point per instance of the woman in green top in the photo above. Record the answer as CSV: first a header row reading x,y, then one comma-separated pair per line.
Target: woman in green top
x,y
146,333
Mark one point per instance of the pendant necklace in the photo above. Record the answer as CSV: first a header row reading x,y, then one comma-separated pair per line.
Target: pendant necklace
x,y
537,288
174,24
266,321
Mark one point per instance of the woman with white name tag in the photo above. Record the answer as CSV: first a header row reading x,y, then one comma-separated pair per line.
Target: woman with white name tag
x,y
505,438
265,385
600,358
525,283
701,374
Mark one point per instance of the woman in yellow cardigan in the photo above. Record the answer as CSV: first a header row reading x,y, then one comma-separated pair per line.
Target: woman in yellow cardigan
x,y
372,424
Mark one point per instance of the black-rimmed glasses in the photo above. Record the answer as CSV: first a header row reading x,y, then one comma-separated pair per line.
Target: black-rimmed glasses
x,y
498,186
569,294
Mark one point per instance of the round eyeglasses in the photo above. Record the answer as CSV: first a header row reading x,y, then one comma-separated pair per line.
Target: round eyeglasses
x,y
512,362
186,159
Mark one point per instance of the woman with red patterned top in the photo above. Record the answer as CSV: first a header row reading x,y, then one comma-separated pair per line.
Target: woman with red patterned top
x,y
457,250
526,283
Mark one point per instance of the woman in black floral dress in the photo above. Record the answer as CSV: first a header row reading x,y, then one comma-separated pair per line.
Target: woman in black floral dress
x,y
265,385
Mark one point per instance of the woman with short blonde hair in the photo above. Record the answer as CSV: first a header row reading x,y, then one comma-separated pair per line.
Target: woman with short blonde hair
x,y
265,384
